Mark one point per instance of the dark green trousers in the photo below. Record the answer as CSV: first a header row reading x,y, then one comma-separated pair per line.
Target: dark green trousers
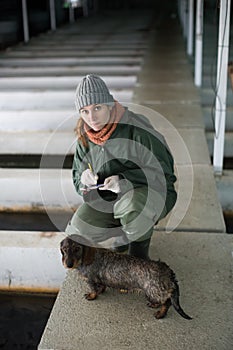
x,y
135,213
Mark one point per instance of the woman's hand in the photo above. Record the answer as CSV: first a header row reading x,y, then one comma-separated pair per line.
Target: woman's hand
x,y
111,183
88,178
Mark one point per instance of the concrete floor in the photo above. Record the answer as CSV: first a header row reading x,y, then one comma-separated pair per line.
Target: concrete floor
x,y
203,265
198,249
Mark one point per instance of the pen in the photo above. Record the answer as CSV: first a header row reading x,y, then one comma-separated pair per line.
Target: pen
x,y
90,167
91,187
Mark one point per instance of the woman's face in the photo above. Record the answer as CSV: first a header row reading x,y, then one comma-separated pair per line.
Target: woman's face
x,y
96,116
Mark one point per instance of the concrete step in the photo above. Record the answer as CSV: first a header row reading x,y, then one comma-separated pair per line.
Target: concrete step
x,y
112,40
38,44
67,61
47,142
62,83
49,99
202,263
209,82
64,52
62,70
188,214
209,69
210,57
66,44
183,142
224,187
228,144
37,120
208,97
44,275
34,142
209,117
37,190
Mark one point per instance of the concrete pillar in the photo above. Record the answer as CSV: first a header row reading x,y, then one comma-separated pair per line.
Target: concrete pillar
x,y
71,14
221,85
198,43
25,21
52,14
190,29
85,8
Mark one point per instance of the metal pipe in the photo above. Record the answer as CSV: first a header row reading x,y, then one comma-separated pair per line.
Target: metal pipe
x,y
199,43
25,21
190,29
221,85
52,14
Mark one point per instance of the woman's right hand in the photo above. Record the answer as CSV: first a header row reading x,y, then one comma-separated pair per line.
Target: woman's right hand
x,y
88,178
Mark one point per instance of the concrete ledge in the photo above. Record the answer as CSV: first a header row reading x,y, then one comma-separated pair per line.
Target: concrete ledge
x,y
203,265
209,123
38,143
64,70
41,51
48,99
67,61
197,207
61,83
180,115
38,120
228,143
225,189
32,189
37,190
30,261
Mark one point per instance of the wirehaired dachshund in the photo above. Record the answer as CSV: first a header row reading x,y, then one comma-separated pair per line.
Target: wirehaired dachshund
x,y
104,268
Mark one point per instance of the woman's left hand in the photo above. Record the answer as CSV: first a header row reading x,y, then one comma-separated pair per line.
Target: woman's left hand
x,y
111,183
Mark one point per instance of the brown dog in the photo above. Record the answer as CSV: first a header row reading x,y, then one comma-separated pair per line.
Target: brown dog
x,y
104,268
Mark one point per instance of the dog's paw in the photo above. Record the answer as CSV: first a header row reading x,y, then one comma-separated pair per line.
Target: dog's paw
x,y
161,313
90,296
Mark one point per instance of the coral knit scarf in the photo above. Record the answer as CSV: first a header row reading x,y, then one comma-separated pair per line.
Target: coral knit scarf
x,y
101,136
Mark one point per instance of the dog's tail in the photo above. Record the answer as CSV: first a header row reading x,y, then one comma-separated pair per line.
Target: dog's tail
x,y
176,304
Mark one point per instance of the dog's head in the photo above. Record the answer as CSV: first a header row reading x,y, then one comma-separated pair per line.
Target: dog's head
x,y
76,250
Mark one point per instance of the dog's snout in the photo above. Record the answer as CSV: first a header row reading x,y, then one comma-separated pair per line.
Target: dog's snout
x,y
69,264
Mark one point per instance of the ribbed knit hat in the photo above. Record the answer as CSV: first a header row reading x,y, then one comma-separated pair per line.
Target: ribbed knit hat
x,y
92,90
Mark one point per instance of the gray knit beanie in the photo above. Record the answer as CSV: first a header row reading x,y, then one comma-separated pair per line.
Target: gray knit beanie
x,y
92,90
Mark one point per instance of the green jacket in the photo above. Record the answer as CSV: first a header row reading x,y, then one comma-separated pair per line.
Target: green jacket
x,y
136,152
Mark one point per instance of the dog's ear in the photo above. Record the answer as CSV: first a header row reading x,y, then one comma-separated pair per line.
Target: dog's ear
x,y
61,243
88,251
88,255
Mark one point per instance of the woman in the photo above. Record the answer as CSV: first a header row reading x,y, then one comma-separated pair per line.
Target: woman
x,y
123,169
